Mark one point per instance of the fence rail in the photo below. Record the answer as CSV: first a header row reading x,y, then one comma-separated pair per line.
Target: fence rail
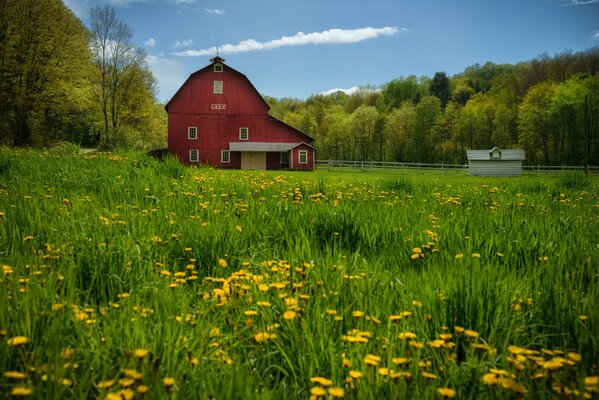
x,y
373,165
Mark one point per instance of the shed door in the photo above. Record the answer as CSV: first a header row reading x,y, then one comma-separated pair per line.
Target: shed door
x,y
253,160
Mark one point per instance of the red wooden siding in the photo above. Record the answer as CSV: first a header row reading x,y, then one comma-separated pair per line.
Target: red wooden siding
x,y
218,118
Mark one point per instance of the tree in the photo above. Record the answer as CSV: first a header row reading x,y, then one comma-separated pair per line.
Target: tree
x,y
535,122
119,65
44,61
440,87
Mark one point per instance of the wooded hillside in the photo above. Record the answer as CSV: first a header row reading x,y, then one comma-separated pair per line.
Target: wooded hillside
x,y
549,106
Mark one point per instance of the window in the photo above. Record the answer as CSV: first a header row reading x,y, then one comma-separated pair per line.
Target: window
x,y
194,156
244,133
218,87
225,156
218,68
303,156
192,133
285,157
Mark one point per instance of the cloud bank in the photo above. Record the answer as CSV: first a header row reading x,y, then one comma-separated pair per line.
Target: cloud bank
x,y
183,43
331,36
215,11
151,42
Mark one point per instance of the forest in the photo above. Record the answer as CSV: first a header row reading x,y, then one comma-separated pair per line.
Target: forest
x,y
62,81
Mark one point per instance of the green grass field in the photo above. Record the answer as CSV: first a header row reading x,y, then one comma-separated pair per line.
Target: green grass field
x,y
125,277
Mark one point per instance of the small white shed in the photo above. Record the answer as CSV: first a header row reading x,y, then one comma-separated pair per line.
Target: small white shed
x,y
495,162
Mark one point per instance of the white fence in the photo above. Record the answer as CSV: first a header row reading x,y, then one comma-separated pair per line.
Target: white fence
x,y
374,165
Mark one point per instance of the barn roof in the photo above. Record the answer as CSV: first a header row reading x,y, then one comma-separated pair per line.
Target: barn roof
x,y
480,155
216,60
264,146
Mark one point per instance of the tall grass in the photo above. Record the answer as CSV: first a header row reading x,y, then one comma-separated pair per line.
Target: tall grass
x,y
109,253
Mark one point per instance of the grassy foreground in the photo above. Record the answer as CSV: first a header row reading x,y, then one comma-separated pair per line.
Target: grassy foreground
x,y
124,277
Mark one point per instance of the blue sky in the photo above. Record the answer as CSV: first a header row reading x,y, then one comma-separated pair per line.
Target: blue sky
x,y
296,48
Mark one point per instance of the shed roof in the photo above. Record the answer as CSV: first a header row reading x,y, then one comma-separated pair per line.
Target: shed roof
x,y
508,154
264,146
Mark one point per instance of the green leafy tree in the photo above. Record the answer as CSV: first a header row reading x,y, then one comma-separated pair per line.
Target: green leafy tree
x,y
440,87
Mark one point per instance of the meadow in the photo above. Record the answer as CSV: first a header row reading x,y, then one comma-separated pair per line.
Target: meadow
x,y
126,277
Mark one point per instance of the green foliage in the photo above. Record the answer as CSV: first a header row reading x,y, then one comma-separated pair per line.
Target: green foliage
x,y
103,254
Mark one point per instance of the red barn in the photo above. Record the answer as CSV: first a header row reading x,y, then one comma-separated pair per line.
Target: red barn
x,y
218,118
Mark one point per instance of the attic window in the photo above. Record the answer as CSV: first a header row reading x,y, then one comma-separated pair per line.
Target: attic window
x,y
218,87
218,68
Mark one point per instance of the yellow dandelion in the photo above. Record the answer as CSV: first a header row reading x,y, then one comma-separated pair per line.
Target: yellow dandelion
x,y
384,371
106,384
168,382
417,303
250,313
21,391
459,256
356,374
582,317
15,375
28,238
357,314
489,379
574,356
336,392
458,329
400,360
318,391
289,315
141,353
263,303
446,392
371,359
470,333
238,228
17,340
263,287
415,256
222,262
126,382
428,375
321,381
142,389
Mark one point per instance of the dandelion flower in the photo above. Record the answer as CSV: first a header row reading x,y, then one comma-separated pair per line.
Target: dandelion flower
x,y
289,315
318,391
582,317
470,333
238,228
446,392
321,381
106,384
17,341
15,375
356,374
141,353
489,379
475,255
168,382
428,375
142,389
222,262
336,392
21,391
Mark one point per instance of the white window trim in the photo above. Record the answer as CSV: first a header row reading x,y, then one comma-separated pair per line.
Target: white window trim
x,y
222,156
189,128
299,156
218,68
281,159
247,133
197,154
218,87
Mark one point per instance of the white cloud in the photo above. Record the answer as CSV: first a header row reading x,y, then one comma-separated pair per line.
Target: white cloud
x,y
581,2
183,43
349,91
151,42
299,39
215,11
596,35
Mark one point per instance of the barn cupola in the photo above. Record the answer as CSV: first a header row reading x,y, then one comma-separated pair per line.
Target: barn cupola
x,y
217,63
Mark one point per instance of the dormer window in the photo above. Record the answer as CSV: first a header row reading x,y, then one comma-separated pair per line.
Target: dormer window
x,y
218,68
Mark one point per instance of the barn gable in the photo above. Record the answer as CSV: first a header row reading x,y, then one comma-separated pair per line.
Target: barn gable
x,y
218,118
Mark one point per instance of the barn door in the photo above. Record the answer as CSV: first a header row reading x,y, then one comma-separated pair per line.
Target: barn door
x,y
253,160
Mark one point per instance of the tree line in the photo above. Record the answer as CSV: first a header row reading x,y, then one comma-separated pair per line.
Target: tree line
x,y
63,81
548,106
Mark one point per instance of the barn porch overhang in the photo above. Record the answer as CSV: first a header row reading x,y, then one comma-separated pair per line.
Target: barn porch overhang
x,y
262,147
